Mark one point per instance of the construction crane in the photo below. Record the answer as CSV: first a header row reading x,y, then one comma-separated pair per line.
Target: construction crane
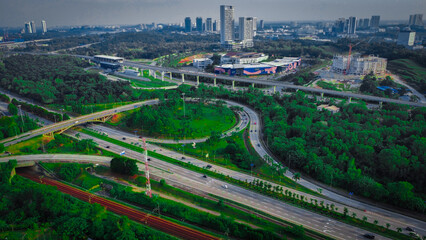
x,y
148,183
350,52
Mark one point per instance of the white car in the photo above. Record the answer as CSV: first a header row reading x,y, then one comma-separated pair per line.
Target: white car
x,y
225,186
76,121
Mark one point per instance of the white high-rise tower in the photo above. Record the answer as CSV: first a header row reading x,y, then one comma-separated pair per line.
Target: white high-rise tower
x,y
226,24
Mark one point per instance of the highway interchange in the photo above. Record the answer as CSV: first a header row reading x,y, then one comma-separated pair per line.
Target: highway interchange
x,y
190,179
274,207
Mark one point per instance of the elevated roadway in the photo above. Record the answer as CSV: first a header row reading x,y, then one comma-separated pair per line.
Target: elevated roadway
x,y
265,82
64,125
27,160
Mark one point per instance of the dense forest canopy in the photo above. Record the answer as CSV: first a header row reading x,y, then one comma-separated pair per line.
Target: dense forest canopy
x,y
59,79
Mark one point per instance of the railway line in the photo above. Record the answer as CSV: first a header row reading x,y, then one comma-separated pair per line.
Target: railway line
x,y
138,216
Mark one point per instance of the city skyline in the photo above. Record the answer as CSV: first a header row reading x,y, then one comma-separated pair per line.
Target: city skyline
x,y
99,12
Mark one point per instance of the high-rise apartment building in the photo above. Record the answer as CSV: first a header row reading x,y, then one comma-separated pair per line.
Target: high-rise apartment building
x,y
33,27
226,24
254,26
215,25
199,24
416,20
28,28
375,21
351,25
366,23
406,38
188,24
262,24
246,31
209,25
43,26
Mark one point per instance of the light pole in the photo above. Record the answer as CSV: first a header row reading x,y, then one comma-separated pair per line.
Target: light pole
x,y
20,113
183,97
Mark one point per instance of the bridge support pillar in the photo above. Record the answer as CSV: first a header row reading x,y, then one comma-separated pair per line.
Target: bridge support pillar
x,y
155,74
171,77
350,99
252,85
380,105
149,72
214,82
162,76
275,89
183,78
198,80
322,96
233,85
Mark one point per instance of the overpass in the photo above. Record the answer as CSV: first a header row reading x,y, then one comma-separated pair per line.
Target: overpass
x,y
60,127
30,160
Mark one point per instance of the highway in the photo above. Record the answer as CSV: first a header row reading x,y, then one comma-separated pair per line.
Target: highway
x,y
173,173
59,158
267,82
373,213
74,121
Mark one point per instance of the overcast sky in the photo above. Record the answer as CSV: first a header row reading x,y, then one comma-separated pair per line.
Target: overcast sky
x,y
106,12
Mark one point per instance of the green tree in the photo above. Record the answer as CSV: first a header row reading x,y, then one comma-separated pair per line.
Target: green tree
x,y
124,165
69,171
1,147
12,109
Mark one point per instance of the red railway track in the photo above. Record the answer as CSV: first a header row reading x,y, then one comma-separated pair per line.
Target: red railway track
x,y
152,221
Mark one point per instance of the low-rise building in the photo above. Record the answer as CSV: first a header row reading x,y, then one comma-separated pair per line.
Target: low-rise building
x,y
359,65
201,62
242,58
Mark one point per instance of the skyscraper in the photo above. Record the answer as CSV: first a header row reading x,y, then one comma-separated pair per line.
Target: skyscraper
x,y
254,26
199,24
188,24
406,38
416,20
209,25
366,23
352,25
28,28
215,26
33,28
226,24
375,21
246,31
43,26
262,24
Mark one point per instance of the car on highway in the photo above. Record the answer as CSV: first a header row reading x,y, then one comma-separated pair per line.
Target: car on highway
x,y
107,146
124,138
149,159
76,121
225,186
369,236
258,144
209,166
204,176
409,229
183,158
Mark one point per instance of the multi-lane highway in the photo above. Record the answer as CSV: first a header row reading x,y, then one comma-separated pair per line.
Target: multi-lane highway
x,y
72,122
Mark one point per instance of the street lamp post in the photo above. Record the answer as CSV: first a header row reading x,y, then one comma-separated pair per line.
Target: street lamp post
x,y
183,97
20,113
